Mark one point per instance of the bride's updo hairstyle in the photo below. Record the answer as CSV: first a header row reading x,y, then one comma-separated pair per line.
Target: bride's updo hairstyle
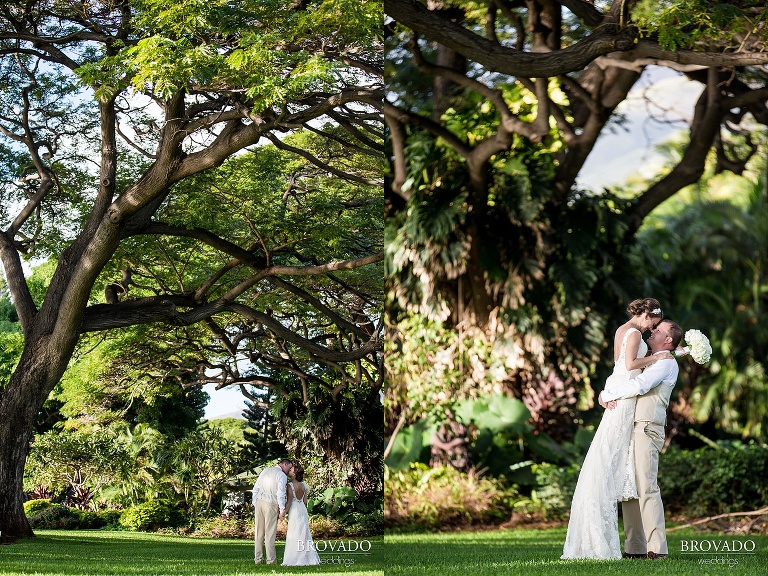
x,y
298,470
649,305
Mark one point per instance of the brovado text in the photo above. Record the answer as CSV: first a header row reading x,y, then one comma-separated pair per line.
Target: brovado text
x,y
732,546
351,546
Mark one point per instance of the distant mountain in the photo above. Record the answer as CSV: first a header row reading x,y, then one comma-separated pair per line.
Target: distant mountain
x,y
236,414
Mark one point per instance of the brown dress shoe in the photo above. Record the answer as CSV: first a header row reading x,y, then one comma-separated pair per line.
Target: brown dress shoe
x,y
654,556
628,555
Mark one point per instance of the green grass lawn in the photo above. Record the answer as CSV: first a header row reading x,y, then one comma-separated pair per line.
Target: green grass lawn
x,y
97,553
537,552
499,552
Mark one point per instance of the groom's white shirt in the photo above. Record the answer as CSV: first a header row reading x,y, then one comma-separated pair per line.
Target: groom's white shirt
x,y
661,372
270,486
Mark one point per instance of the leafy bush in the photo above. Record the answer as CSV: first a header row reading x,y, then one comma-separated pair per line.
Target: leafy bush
x,y
323,527
353,517
555,489
335,502
32,506
693,483
55,516
150,516
368,524
90,519
42,513
711,481
425,497
232,527
108,519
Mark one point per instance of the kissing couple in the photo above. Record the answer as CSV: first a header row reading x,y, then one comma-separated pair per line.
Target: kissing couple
x,y
281,490
622,463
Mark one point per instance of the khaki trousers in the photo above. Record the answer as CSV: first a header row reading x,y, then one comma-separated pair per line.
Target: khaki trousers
x,y
644,528
265,530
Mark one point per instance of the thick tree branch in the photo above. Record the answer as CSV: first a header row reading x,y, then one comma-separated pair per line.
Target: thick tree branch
x,y
205,236
324,268
397,137
609,38
649,49
139,311
586,11
300,271
639,64
235,136
108,160
14,276
704,129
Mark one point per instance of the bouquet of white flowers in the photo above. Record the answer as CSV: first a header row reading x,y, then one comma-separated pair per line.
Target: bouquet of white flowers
x,y
697,346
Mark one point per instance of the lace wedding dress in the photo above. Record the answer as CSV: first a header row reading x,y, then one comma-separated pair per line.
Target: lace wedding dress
x,y
607,475
299,546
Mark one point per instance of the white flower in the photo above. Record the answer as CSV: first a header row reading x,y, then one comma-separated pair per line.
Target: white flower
x,y
698,346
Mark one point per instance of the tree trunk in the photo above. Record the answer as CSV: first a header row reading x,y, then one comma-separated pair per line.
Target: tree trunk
x,y
14,443
39,369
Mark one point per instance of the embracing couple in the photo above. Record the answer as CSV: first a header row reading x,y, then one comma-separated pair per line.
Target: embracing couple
x,y
281,490
623,460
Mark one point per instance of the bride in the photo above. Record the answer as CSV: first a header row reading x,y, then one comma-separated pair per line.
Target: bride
x,y
608,472
299,546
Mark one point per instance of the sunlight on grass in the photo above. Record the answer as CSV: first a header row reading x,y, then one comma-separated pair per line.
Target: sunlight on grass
x,y
97,553
537,552
498,552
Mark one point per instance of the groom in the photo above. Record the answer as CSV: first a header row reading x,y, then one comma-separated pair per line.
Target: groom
x,y
645,533
269,506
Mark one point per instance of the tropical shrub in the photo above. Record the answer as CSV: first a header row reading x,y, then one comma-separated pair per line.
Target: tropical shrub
x,y
424,497
32,506
712,481
370,524
232,527
150,516
335,502
693,483
55,516
554,492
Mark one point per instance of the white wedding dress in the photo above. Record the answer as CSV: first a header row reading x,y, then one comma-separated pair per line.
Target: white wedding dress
x,y
299,546
607,475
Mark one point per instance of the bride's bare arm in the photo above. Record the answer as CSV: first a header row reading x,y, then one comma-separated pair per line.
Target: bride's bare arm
x,y
631,360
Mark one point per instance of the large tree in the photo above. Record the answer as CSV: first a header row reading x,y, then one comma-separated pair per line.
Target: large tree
x,y
492,111
164,91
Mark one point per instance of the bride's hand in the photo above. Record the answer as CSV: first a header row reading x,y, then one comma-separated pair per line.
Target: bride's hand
x,y
665,356
610,405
